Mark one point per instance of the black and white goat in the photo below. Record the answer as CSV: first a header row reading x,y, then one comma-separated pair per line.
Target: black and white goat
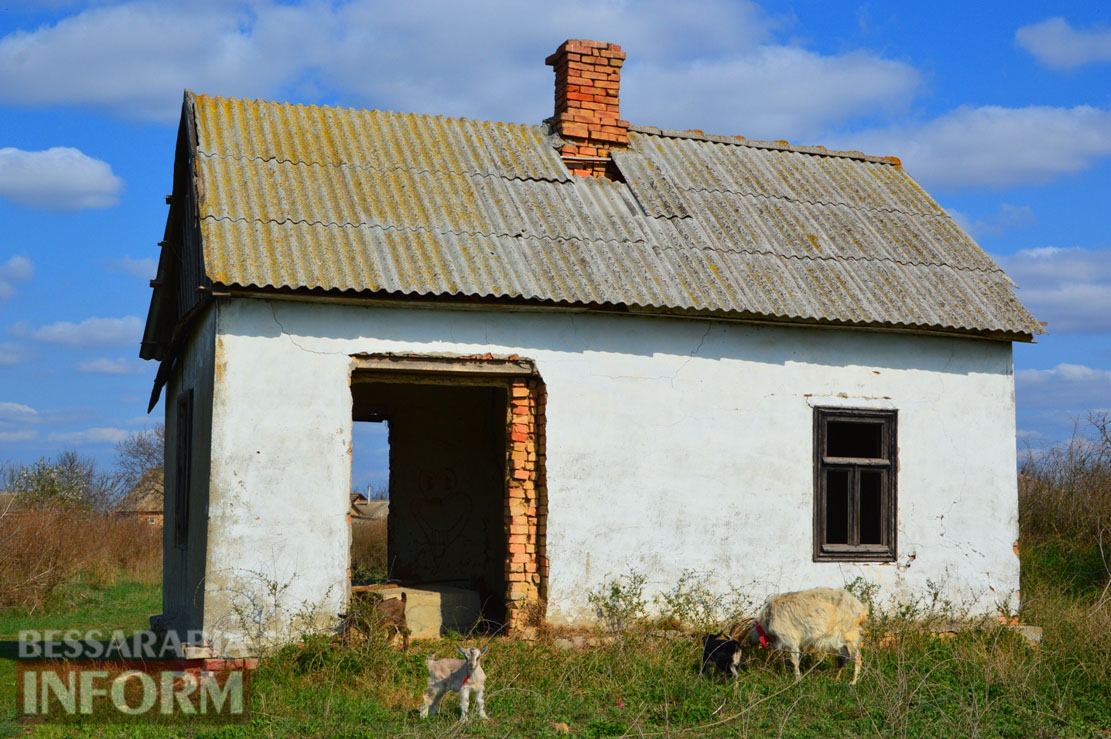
x,y
722,652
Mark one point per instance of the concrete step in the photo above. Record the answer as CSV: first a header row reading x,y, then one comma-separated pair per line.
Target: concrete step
x,y
432,609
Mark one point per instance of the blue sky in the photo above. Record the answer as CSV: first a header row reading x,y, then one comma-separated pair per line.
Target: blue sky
x,y
1002,110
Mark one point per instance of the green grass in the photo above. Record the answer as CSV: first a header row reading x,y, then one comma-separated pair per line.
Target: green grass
x,y
123,605
989,683
985,683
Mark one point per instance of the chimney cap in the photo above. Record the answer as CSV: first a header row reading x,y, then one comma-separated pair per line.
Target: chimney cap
x,y
583,46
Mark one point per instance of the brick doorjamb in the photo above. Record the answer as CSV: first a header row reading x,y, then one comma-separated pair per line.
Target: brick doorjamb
x,y
526,504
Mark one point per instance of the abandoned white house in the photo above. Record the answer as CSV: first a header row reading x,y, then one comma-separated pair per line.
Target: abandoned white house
x,y
600,348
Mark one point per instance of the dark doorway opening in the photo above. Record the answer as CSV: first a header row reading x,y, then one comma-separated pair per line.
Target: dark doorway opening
x,y
447,478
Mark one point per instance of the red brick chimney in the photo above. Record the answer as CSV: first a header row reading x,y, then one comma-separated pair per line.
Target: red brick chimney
x,y
587,87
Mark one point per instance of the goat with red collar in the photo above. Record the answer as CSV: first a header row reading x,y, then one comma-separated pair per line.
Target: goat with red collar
x,y
463,675
819,619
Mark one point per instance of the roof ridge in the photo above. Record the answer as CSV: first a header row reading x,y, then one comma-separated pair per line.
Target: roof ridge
x,y
650,244
348,108
694,134
781,145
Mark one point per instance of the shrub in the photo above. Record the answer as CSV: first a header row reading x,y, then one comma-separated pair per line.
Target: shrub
x,y
619,603
67,482
693,603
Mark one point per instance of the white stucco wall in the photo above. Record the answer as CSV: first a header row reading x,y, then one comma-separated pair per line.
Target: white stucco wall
x,y
672,444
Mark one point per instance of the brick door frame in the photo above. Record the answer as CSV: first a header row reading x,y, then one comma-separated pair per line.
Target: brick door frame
x,y
525,490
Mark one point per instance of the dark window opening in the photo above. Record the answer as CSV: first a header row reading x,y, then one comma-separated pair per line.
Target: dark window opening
x,y
183,453
871,507
854,511
854,439
837,506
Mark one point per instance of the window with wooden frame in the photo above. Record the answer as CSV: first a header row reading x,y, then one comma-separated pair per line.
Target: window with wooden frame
x,y
854,484
183,459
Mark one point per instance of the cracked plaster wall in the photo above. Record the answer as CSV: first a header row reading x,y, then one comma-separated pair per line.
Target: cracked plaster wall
x,y
672,444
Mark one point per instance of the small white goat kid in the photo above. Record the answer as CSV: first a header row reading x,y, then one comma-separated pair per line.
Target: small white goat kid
x,y
464,675
821,619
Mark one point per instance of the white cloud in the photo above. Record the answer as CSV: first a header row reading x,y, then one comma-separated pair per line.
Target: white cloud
x,y
1007,218
993,146
16,269
17,413
11,354
99,435
1071,388
772,92
1068,287
92,332
15,421
1064,372
483,59
59,178
708,64
118,366
136,58
145,268
1057,45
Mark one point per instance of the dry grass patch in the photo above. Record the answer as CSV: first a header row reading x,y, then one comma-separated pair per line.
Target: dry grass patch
x,y
42,550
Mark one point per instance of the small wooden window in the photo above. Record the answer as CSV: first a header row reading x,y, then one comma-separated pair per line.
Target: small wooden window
x,y
854,483
183,464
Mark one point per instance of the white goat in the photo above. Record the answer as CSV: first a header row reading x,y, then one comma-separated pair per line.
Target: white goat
x,y
464,675
821,619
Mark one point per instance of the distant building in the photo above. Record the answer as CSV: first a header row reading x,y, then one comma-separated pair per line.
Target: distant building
x,y
368,510
145,501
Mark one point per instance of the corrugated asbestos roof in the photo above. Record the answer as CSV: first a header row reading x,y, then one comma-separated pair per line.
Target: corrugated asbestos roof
x,y
300,196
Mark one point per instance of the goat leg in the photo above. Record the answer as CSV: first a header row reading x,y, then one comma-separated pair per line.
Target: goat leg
x,y
795,655
464,702
428,704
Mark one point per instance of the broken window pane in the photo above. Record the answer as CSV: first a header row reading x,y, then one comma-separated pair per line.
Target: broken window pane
x,y
871,507
837,506
854,439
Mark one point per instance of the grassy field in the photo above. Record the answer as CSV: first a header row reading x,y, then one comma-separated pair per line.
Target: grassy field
x,y
982,683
